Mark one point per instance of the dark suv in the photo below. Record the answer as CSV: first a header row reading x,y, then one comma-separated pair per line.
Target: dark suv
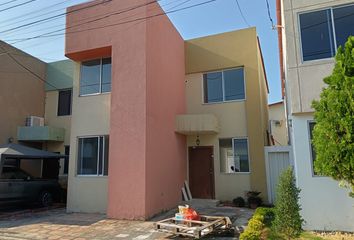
x,y
17,186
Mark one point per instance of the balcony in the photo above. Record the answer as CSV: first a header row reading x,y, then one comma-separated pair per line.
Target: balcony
x,y
40,133
197,124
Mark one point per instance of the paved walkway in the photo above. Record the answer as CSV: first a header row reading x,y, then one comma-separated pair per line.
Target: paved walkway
x,y
57,224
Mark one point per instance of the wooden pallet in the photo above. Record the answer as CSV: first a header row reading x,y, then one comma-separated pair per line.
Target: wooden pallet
x,y
192,228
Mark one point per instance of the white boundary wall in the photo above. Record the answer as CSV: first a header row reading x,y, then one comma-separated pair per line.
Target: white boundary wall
x,y
325,205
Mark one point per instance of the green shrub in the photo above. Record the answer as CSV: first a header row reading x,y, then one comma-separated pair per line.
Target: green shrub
x,y
268,215
250,235
262,218
239,202
287,209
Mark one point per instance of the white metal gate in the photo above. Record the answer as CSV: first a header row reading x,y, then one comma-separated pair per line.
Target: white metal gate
x,y
277,159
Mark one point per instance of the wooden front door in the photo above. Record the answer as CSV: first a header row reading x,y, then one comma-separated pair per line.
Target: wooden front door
x,y
201,172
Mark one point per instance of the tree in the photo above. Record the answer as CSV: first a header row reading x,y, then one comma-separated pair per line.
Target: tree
x,y
333,134
287,208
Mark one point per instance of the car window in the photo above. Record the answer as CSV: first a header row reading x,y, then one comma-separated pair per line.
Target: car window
x,y
13,173
7,173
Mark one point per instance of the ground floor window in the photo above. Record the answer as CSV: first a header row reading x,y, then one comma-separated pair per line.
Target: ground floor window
x,y
93,156
66,160
234,155
313,153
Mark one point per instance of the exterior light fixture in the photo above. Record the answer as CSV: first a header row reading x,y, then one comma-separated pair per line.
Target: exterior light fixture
x,y
197,141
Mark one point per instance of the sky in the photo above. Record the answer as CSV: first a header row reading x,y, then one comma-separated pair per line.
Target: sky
x,y
211,18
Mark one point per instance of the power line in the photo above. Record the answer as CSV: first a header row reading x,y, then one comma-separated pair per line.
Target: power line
x,y
18,5
55,16
269,15
92,17
26,68
240,10
36,16
52,34
34,45
102,16
8,2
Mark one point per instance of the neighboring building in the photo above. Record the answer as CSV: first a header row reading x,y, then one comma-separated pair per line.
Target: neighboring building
x,y
21,93
138,91
310,34
31,114
58,107
277,124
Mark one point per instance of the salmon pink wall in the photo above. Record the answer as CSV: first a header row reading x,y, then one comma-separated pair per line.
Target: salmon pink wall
x,y
166,155
146,158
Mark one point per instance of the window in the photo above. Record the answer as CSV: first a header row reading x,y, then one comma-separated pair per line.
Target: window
x,y
93,156
14,173
234,155
64,102
313,153
322,32
223,86
66,160
95,76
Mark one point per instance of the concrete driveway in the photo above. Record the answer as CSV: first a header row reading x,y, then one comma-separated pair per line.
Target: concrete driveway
x,y
57,224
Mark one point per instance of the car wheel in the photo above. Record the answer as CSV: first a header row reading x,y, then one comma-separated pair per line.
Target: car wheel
x,y
45,199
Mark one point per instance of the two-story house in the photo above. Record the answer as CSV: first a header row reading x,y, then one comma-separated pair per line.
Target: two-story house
x,y
151,110
36,108
310,33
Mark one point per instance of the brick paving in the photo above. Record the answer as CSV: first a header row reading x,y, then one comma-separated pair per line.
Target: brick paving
x,y
57,224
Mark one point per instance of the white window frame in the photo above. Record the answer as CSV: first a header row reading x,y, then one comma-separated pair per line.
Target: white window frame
x,y
223,86
310,149
100,91
233,153
333,31
98,155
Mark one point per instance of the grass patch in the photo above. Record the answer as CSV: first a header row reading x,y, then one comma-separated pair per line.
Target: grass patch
x,y
271,235
309,236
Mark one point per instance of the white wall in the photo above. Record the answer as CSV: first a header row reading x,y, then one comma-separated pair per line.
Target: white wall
x,y
325,206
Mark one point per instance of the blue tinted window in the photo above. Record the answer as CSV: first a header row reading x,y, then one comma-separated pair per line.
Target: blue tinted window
x,y
90,77
343,23
95,76
213,87
241,155
106,75
317,35
234,84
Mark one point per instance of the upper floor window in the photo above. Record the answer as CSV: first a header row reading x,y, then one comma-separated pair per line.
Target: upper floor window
x,y
64,102
223,86
322,32
95,76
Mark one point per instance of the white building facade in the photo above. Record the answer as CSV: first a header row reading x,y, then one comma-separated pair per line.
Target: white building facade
x,y
310,32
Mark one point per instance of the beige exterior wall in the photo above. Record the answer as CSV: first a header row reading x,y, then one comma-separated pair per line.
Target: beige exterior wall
x,y
304,79
232,121
90,117
237,119
277,121
21,93
51,119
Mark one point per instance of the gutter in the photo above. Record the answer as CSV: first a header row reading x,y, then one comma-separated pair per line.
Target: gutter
x,y
280,45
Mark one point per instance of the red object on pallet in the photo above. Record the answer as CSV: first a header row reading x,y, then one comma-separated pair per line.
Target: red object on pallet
x,y
191,214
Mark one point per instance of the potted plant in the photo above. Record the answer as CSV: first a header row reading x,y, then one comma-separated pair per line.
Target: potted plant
x,y
253,199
